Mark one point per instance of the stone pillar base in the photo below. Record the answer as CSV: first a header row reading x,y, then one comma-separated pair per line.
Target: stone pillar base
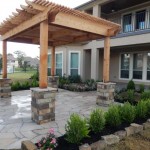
x,y
5,88
43,105
53,81
105,93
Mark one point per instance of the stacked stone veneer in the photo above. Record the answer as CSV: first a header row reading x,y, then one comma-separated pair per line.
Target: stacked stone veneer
x,y
105,93
43,105
5,88
53,81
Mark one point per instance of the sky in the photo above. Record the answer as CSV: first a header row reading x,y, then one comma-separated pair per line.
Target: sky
x,y
9,6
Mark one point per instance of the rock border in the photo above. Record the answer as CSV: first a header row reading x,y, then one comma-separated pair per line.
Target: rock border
x,y
105,141
116,137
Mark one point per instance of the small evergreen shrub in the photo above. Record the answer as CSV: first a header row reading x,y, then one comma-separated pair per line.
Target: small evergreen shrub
x,y
141,88
76,129
75,79
112,116
145,95
127,113
141,110
131,85
130,96
97,120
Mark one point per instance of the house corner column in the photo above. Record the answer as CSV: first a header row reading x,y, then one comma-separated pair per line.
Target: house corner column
x,y
94,63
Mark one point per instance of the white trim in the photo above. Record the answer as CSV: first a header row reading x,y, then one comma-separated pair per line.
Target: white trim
x,y
79,65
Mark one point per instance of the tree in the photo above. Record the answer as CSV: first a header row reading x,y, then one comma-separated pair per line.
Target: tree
x,y
20,57
25,65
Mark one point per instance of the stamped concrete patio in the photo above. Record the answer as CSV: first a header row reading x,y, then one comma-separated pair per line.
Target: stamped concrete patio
x,y
15,116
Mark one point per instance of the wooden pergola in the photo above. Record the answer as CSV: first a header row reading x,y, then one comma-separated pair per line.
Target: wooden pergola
x,y
48,24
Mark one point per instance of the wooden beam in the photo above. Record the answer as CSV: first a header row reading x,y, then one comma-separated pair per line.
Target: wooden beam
x,y
75,22
4,59
27,24
106,62
53,62
35,6
43,54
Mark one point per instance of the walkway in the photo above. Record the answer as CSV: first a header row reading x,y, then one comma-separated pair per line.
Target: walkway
x,y
15,116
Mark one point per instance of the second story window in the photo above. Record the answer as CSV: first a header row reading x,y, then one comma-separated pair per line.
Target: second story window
x,y
140,19
127,23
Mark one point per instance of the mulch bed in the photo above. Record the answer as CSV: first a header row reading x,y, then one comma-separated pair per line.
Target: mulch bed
x,y
94,137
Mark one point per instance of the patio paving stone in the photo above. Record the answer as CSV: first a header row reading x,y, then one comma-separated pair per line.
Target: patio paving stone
x,y
15,116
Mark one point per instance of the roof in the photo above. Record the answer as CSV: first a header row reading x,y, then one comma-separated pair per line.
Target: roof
x,y
84,4
66,25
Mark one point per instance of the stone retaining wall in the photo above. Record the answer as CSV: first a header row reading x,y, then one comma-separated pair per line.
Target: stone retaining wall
x,y
105,93
53,81
116,137
5,88
43,105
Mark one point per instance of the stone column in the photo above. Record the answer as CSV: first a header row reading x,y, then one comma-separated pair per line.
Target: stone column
x,y
43,105
105,93
5,88
53,81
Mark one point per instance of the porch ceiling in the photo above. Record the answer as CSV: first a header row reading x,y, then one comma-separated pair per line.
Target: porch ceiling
x,y
65,25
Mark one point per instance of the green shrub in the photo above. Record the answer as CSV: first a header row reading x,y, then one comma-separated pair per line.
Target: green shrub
x,y
130,96
112,116
141,110
148,108
16,86
141,88
35,76
76,129
131,85
97,120
34,83
145,95
75,79
62,81
25,85
127,113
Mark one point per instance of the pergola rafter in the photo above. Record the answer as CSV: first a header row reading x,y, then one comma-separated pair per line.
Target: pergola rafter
x,y
62,26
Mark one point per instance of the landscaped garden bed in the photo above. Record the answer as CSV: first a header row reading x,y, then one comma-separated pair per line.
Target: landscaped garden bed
x,y
75,83
117,122
132,95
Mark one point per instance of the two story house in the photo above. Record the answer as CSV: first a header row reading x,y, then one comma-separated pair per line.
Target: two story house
x,y
130,49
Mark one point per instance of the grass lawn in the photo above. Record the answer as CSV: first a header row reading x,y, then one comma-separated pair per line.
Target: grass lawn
x,y
20,76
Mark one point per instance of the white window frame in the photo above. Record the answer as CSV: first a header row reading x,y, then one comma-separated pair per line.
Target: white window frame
x,y
59,52
144,71
79,66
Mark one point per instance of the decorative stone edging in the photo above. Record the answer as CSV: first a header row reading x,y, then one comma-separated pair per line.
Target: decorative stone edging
x,y
116,137
106,140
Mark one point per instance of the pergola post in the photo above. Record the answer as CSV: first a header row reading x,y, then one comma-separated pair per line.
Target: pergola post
x,y
4,59
53,61
43,54
53,80
106,63
5,83
106,89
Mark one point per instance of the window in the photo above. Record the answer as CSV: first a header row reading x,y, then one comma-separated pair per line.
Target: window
x,y
137,66
74,63
125,65
59,64
148,66
127,23
49,64
140,19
